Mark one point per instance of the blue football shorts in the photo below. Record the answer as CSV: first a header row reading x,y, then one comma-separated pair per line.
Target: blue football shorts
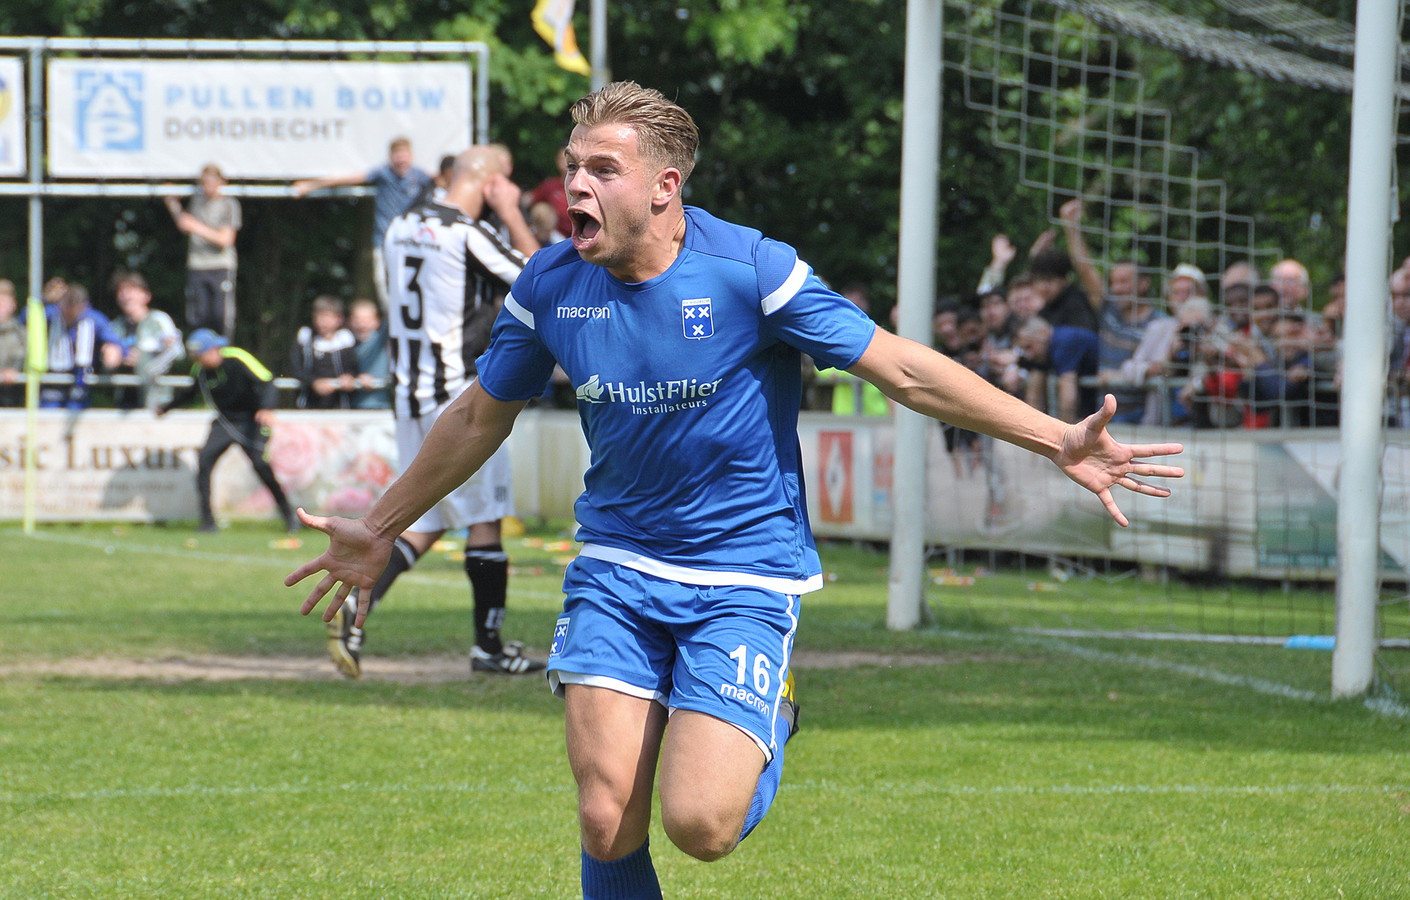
x,y
719,650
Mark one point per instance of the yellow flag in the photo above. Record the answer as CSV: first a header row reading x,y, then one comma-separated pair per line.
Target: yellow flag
x,y
36,358
553,20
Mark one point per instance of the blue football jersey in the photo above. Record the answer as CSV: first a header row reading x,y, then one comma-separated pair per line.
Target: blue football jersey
x,y
688,386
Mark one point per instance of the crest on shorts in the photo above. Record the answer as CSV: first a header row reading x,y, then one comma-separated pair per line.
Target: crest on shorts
x,y
560,636
697,319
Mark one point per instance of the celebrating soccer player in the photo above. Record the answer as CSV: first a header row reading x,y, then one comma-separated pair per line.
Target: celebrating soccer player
x,y
682,335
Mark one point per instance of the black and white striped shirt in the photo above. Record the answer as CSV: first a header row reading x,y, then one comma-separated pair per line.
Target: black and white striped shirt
x,y
444,271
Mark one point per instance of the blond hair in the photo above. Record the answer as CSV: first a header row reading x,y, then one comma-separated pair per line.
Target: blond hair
x,y
665,132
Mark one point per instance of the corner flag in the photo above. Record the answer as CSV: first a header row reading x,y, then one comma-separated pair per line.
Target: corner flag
x,y
36,358
36,363
553,20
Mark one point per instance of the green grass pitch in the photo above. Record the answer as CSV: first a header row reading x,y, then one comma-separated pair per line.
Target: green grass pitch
x,y
961,760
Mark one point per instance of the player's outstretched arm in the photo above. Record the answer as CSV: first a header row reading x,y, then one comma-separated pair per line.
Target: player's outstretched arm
x,y
465,435
933,385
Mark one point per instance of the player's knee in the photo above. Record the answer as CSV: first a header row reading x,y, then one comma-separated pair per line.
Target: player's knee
x,y
606,833
704,833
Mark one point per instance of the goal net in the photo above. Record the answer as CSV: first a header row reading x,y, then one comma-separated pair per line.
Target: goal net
x,y
1246,550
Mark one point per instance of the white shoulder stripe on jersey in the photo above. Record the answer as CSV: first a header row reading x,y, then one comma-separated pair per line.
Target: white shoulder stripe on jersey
x,y
518,311
706,577
786,291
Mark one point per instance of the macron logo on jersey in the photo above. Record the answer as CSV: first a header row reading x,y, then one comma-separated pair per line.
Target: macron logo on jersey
x,y
696,319
584,312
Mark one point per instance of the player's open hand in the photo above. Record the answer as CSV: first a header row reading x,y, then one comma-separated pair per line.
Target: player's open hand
x,y
1095,460
355,557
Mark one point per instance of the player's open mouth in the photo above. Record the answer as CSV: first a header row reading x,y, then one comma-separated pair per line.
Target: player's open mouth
x,y
585,229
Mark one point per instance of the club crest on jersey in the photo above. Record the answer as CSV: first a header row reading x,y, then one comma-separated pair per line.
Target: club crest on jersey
x,y
697,318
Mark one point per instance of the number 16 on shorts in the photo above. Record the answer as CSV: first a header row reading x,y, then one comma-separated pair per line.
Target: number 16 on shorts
x,y
754,679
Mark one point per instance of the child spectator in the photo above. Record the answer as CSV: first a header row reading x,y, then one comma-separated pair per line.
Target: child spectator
x,y
1065,302
151,342
999,357
81,340
554,192
325,358
1069,354
211,220
850,395
365,323
543,221
1024,300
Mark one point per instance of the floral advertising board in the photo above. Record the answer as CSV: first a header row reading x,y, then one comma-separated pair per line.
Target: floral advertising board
x,y
132,466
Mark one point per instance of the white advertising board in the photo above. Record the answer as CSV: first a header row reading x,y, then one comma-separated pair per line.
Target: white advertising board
x,y
256,119
12,115
1254,503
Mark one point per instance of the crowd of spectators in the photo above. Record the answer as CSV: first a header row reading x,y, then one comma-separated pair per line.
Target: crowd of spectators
x,y
1179,348
339,360
335,366
1176,347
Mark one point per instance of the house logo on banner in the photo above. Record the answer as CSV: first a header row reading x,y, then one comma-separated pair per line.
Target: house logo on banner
x,y
108,111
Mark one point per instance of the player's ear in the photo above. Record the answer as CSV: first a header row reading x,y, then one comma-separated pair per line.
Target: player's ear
x,y
668,186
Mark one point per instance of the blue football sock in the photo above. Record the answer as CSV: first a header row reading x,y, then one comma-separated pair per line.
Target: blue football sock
x,y
769,779
764,793
632,877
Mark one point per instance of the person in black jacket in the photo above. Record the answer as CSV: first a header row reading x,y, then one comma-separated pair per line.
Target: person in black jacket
x,y
242,393
325,358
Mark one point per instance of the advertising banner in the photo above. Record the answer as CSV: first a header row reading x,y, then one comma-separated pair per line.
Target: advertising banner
x,y
1254,503
12,113
131,467
256,119
106,465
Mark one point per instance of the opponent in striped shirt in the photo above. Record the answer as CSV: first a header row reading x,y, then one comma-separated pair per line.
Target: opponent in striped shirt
x,y
446,269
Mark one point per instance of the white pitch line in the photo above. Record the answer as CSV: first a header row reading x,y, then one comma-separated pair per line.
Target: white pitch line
x,y
830,786
1097,790
513,785
1384,706
111,547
